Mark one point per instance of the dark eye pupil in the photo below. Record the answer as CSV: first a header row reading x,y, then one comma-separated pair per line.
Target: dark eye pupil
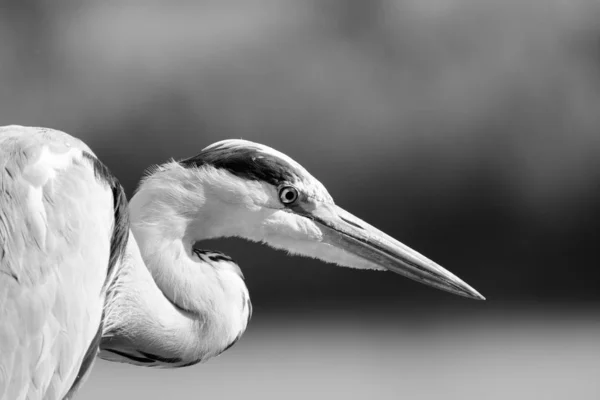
x,y
288,195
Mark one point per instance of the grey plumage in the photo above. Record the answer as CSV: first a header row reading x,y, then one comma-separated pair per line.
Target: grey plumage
x,y
53,267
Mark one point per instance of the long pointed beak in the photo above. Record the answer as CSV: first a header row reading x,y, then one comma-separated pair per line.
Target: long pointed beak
x,y
344,230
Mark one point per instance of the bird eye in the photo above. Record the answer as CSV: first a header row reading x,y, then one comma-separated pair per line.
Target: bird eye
x,y
288,194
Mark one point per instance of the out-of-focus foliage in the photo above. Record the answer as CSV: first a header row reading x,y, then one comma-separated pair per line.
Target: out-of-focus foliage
x,y
469,129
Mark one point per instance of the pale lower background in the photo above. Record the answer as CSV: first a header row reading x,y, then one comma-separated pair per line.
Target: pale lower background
x,y
385,354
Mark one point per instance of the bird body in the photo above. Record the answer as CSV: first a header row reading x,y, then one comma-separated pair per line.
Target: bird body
x,y
54,261
81,271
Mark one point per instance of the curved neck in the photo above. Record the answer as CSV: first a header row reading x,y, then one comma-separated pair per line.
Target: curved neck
x,y
141,325
168,306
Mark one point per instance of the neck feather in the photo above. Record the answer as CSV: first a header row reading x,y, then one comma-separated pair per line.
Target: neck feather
x,y
169,306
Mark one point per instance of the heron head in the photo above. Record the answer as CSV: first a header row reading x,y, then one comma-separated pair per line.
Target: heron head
x,y
263,195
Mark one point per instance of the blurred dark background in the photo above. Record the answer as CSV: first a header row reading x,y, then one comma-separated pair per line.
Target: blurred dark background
x,y
467,129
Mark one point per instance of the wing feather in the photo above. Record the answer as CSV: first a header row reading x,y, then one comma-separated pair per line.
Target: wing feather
x,y
57,224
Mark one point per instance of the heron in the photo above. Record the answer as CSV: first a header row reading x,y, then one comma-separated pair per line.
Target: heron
x,y
85,273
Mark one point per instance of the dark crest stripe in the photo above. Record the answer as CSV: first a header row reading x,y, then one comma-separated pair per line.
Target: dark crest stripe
x,y
245,162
